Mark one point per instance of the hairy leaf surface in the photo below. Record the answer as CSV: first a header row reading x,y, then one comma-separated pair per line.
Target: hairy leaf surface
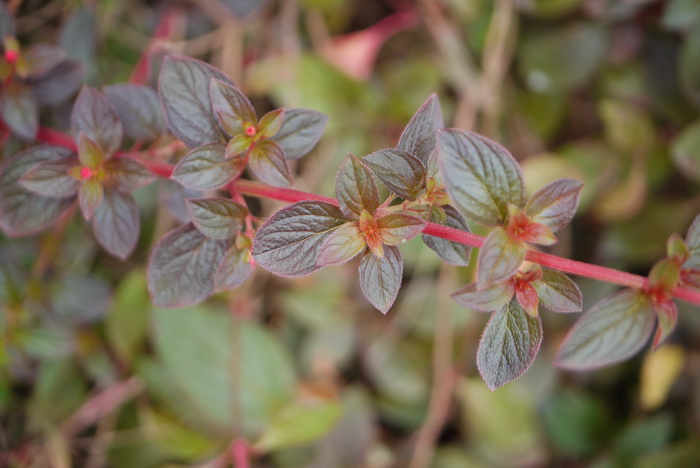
x,y
480,175
288,243
555,204
499,258
399,171
219,218
342,245
355,188
235,268
558,292
301,130
485,300
206,168
267,161
420,135
397,228
380,277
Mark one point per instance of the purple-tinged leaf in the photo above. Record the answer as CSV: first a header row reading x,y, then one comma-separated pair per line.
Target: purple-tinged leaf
x,y
59,85
558,292
664,275
481,176
231,106
301,130
266,160
52,178
692,240
342,245
485,300
138,109
667,314
288,243
206,167
93,115
183,266
7,21
526,296
399,171
355,188
612,331
380,278
19,110
23,213
509,345
183,86
42,58
499,258
397,228
420,135
453,253
127,174
219,218
271,123
554,205
116,223
234,269
90,196
90,153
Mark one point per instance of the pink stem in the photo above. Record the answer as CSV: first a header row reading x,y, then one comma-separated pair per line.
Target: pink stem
x,y
163,30
52,137
240,453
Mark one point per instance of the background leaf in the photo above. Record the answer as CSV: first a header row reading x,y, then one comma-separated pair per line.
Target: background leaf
x,y
480,175
19,110
380,278
138,109
301,130
509,345
182,267
611,331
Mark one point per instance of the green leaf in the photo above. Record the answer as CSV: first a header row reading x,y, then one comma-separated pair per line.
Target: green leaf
x,y
182,267
19,110
401,172
484,300
89,152
342,245
41,58
267,161
271,123
138,109
23,213
613,330
231,106
555,204
298,423
206,168
258,380
355,188
117,223
52,178
288,243
90,196
480,175
558,292
380,278
183,87
300,131
126,322
453,253
238,146
398,228
234,269
93,115
219,218
499,258
127,174
508,345
420,135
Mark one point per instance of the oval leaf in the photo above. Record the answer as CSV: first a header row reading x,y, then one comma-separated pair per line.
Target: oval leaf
x,y
397,228
355,188
116,223
480,175
266,160
93,115
499,258
380,277
138,109
342,245
183,87
206,167
52,178
19,110
230,105
558,292
235,268
613,330
509,345
127,174
300,131
182,267
453,253
288,243
420,135
219,218
485,300
399,171
555,204
23,213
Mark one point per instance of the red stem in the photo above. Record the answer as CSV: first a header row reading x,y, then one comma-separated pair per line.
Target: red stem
x,y
240,453
52,137
163,31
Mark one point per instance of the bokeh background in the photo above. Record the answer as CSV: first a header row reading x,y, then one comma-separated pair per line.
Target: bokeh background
x,y
606,91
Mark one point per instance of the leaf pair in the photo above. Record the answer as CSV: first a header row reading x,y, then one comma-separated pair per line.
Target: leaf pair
x,y
203,106
206,255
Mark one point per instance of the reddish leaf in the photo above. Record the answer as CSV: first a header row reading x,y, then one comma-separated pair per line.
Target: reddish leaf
x,y
419,138
52,178
451,252
41,58
127,174
234,269
93,115
555,204
558,293
485,300
138,109
266,160
499,258
527,297
19,110
355,188
399,171
667,314
380,278
397,228
301,130
342,245
116,223
206,167
231,106
219,218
